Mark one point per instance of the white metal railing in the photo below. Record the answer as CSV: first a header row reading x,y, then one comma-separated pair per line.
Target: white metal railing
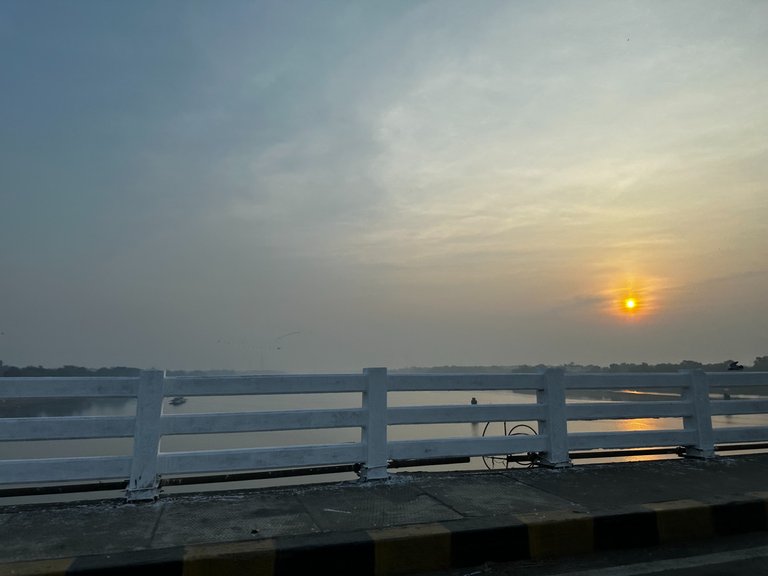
x,y
689,400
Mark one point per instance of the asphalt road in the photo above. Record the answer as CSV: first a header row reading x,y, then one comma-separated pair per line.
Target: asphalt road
x,y
724,556
421,521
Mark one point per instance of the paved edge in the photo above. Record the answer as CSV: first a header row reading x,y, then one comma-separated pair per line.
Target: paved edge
x,y
430,547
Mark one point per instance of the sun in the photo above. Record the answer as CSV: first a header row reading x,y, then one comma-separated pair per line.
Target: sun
x,y
630,305
633,299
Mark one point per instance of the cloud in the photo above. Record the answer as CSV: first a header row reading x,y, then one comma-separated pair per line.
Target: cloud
x,y
431,180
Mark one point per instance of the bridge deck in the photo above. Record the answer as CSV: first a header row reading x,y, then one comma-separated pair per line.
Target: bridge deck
x,y
412,522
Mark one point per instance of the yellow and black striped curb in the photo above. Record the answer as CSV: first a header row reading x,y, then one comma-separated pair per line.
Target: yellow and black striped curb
x,y
429,547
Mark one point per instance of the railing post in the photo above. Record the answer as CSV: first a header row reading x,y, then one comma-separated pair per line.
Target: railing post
x,y
144,481
700,421
374,435
555,427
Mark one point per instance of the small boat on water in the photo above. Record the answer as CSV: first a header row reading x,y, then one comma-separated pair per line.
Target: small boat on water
x,y
177,400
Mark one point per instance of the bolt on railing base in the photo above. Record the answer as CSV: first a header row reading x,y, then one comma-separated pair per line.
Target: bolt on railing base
x,y
698,453
373,473
142,495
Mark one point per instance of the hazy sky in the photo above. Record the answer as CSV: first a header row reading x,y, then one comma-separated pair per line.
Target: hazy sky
x,y
328,185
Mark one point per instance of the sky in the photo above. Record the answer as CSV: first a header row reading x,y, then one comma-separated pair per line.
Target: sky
x,y
328,185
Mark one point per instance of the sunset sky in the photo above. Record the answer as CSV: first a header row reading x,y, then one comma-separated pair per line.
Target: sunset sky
x,y
328,185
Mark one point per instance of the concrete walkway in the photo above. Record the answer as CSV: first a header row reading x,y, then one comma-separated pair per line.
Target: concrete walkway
x,y
414,522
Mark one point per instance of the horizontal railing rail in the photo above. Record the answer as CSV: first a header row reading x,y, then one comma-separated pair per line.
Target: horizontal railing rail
x,y
65,469
259,458
689,399
215,423
67,428
248,385
444,447
633,439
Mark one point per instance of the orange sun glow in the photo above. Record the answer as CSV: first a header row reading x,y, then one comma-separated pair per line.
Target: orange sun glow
x,y
633,299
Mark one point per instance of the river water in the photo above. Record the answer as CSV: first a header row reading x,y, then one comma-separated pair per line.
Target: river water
x,y
228,404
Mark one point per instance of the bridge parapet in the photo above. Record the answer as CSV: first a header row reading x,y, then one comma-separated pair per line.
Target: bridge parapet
x,y
686,397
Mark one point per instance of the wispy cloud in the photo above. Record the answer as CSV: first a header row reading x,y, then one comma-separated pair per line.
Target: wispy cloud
x,y
444,173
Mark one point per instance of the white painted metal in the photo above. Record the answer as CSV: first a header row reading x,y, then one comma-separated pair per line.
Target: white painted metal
x,y
700,421
693,407
64,469
259,458
247,385
469,413
555,425
725,407
737,378
482,446
741,434
630,439
69,427
144,481
261,422
374,434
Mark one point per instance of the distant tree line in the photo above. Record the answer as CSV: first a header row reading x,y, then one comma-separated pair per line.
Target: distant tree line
x,y
81,371
759,365
68,370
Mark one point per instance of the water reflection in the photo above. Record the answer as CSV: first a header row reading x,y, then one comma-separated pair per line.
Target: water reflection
x,y
638,424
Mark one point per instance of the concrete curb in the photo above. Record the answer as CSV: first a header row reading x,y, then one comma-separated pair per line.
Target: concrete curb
x,y
430,547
